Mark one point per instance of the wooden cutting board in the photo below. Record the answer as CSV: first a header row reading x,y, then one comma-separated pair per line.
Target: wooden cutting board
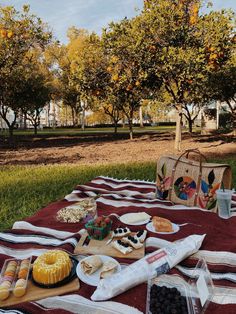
x,y
34,293
97,247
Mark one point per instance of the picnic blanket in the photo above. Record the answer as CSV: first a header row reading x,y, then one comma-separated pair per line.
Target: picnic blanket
x,y
43,231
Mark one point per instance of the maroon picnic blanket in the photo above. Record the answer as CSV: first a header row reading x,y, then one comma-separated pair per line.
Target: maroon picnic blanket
x,y
120,197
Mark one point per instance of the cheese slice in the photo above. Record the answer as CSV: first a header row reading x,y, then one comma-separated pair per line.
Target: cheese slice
x,y
121,232
136,244
121,248
142,235
136,217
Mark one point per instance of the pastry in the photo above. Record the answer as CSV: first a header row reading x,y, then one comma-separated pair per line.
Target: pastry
x,y
23,273
123,247
108,269
8,278
120,232
132,241
20,288
91,264
6,284
4,292
141,235
51,267
162,224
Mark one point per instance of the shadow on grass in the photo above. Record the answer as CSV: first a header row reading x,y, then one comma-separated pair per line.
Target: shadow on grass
x,y
60,140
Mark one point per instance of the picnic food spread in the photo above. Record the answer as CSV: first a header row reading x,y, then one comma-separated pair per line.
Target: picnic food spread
x,y
162,224
78,211
132,218
141,235
132,241
99,228
121,232
111,279
51,267
167,300
108,269
14,277
123,247
91,264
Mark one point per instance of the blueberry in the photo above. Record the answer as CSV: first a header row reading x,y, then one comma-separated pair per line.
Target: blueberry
x,y
125,230
135,241
120,230
139,234
115,231
119,242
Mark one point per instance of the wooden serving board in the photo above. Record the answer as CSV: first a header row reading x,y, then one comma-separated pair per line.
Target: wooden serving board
x,y
97,247
34,293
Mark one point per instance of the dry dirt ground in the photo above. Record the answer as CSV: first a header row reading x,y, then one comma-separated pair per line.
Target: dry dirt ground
x,y
106,148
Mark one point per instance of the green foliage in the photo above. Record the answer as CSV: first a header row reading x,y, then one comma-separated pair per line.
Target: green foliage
x,y
179,45
20,32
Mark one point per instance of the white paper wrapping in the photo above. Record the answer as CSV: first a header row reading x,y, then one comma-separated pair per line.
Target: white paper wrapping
x,y
150,266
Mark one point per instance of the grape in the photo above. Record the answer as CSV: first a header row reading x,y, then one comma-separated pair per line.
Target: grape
x,y
165,300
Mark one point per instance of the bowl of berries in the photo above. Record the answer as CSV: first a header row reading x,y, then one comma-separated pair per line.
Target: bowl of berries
x,y
99,227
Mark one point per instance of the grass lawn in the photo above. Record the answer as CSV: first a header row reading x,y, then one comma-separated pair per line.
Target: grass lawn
x,y
24,190
78,131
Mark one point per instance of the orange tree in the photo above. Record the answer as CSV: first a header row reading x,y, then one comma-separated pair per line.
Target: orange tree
x,y
180,45
60,62
87,68
222,85
19,33
35,87
127,82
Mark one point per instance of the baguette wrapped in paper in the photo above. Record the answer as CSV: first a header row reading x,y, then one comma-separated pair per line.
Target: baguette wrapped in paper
x,y
150,266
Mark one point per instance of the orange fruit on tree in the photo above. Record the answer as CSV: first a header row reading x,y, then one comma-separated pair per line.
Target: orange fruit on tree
x,y
137,83
115,77
9,34
114,59
129,87
3,33
213,56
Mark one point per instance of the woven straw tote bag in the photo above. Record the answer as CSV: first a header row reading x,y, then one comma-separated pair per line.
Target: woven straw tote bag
x,y
189,182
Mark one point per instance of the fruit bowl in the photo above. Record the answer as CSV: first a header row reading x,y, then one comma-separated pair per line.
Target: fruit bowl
x,y
99,228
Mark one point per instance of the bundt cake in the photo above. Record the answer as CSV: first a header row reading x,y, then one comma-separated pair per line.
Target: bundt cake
x,y
51,267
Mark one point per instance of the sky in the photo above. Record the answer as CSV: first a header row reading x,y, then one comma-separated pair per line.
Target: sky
x,y
92,15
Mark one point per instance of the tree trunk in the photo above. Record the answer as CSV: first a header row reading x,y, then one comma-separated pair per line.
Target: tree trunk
x,y
25,121
115,126
10,129
35,129
178,132
190,125
83,119
123,122
141,116
130,129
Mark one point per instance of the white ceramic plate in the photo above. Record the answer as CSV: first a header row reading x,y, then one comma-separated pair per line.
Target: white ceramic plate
x,y
124,218
151,228
94,278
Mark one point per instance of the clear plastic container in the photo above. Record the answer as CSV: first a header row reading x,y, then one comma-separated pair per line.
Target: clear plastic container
x,y
198,291
14,277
